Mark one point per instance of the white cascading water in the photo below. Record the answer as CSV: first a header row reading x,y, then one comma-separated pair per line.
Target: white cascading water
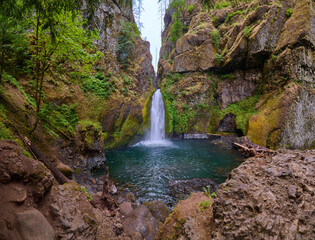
x,y
157,114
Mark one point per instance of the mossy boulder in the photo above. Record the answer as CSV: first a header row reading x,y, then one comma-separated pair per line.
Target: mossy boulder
x,y
189,219
265,127
89,136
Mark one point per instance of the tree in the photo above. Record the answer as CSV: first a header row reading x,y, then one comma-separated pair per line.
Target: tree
x,y
69,46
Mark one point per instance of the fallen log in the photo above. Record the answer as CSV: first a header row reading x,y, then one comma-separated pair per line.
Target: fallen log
x,y
252,149
59,176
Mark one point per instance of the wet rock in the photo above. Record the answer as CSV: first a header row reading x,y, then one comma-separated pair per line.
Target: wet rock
x,y
158,210
32,225
266,193
227,124
19,195
141,221
180,188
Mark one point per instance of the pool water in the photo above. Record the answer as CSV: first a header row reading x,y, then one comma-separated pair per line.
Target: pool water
x,y
146,167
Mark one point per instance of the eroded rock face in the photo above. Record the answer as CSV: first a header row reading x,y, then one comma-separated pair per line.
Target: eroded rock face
x,y
267,197
71,213
23,184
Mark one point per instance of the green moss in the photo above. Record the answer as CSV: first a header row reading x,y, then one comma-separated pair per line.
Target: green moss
x,y
258,129
243,110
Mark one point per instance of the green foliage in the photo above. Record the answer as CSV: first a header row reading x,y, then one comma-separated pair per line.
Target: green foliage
x,y
219,58
99,85
208,192
288,12
222,5
234,3
63,117
127,80
227,76
176,30
87,124
190,8
204,205
215,37
177,27
87,194
243,110
13,43
128,32
247,31
230,15
5,133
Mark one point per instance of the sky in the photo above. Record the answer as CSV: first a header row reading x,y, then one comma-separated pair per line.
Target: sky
x,y
151,30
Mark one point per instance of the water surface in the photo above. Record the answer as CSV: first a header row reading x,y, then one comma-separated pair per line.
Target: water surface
x,y
147,167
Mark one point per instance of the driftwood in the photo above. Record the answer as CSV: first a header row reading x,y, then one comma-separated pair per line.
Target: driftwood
x,y
106,200
252,149
59,176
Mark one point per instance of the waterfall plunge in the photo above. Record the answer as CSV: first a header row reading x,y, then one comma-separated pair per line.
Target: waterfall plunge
x,y
157,114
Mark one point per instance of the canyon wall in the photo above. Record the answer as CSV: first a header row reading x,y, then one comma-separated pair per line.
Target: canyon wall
x,y
254,59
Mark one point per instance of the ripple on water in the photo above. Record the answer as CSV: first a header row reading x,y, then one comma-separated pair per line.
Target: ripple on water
x,y
149,165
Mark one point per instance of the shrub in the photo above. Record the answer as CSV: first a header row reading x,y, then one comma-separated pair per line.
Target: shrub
x,y
222,5
215,37
176,30
219,58
129,31
247,31
191,8
230,15
288,12
62,117
97,85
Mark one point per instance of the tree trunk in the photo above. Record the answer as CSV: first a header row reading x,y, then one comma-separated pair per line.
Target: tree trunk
x,y
59,176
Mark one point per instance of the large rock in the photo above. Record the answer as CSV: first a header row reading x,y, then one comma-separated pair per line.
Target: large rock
x,y
268,197
189,220
234,91
14,166
158,210
140,224
299,29
266,127
71,213
198,59
32,225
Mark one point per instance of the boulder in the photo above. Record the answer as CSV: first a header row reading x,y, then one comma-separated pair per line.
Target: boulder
x,y
71,213
267,197
200,58
32,225
158,210
189,220
141,221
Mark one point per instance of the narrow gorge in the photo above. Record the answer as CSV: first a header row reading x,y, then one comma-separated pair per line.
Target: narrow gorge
x,y
95,145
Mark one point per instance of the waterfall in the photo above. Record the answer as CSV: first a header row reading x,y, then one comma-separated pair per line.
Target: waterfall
x,y
157,113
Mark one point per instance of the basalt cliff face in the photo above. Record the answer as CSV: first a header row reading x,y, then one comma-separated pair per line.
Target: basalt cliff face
x,y
254,59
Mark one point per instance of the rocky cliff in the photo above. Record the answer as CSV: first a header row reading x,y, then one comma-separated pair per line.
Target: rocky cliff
x,y
254,59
